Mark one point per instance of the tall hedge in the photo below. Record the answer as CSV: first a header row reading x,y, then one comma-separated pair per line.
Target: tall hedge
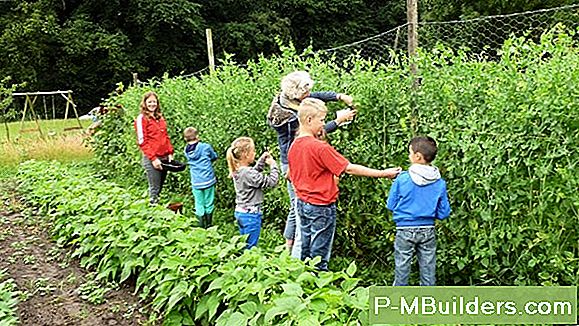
x,y
506,129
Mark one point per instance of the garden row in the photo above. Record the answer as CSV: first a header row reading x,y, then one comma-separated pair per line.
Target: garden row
x,y
192,276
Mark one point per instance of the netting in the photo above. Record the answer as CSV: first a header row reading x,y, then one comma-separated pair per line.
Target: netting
x,y
381,48
481,35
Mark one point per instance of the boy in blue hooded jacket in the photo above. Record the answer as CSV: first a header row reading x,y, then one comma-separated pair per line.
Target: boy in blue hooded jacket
x,y
199,158
417,198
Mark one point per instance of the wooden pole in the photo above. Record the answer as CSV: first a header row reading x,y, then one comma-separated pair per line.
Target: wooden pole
x,y
135,79
395,45
66,109
75,111
7,130
53,109
210,50
412,14
24,112
35,116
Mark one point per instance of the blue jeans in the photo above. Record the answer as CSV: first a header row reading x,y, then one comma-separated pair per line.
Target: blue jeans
x,y
421,240
249,223
318,224
290,225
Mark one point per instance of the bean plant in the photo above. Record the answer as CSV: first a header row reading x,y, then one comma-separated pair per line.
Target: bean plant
x,y
191,276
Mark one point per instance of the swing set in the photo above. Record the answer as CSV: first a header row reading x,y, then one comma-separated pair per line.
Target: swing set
x,y
30,99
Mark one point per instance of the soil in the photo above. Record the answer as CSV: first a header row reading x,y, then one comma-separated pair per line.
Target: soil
x,y
49,281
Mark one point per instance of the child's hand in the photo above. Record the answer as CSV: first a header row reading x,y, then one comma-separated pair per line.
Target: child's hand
x,y
269,160
264,156
391,173
345,116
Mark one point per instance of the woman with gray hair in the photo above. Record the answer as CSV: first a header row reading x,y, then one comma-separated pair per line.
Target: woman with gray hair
x,y
283,117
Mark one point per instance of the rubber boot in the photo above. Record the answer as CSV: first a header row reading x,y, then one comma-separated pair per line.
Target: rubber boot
x,y
209,219
201,220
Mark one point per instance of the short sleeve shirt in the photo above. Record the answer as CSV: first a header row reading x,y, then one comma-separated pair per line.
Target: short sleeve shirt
x,y
313,166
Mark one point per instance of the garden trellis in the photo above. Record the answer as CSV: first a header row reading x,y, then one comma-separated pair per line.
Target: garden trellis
x,y
30,100
482,36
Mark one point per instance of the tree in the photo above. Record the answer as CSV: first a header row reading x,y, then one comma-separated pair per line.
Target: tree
x,y
443,10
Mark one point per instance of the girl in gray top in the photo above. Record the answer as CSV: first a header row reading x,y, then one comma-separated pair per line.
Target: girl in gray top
x,y
249,183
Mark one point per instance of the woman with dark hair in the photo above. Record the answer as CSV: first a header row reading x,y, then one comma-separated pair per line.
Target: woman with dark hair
x,y
154,142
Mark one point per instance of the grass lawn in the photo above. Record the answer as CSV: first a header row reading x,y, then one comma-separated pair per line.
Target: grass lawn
x,y
56,143
48,128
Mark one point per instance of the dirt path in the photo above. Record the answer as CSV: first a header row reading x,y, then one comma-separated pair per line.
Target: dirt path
x,y
51,284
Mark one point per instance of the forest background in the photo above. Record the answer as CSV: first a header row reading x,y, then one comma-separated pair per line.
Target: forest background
x,y
89,46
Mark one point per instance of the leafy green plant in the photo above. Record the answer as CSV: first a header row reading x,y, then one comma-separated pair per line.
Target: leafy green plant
x,y
190,275
93,292
42,286
8,301
506,130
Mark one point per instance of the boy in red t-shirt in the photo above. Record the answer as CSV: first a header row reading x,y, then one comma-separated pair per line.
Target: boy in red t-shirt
x,y
313,168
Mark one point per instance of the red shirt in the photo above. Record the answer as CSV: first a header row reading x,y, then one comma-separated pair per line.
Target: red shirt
x,y
152,137
312,167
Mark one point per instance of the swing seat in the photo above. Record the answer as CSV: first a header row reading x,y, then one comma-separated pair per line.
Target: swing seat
x,y
28,130
72,128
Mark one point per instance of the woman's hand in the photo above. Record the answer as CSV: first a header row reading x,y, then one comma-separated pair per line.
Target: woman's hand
x,y
157,164
347,99
170,157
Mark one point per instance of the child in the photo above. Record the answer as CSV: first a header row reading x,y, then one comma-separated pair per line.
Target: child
x,y
313,168
416,199
249,183
199,157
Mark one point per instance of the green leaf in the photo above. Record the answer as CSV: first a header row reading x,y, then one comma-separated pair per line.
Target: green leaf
x,y
248,308
324,278
349,284
318,304
274,311
292,289
351,269
237,319
306,277
174,318
212,305
201,307
216,284
126,272
288,303
309,320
